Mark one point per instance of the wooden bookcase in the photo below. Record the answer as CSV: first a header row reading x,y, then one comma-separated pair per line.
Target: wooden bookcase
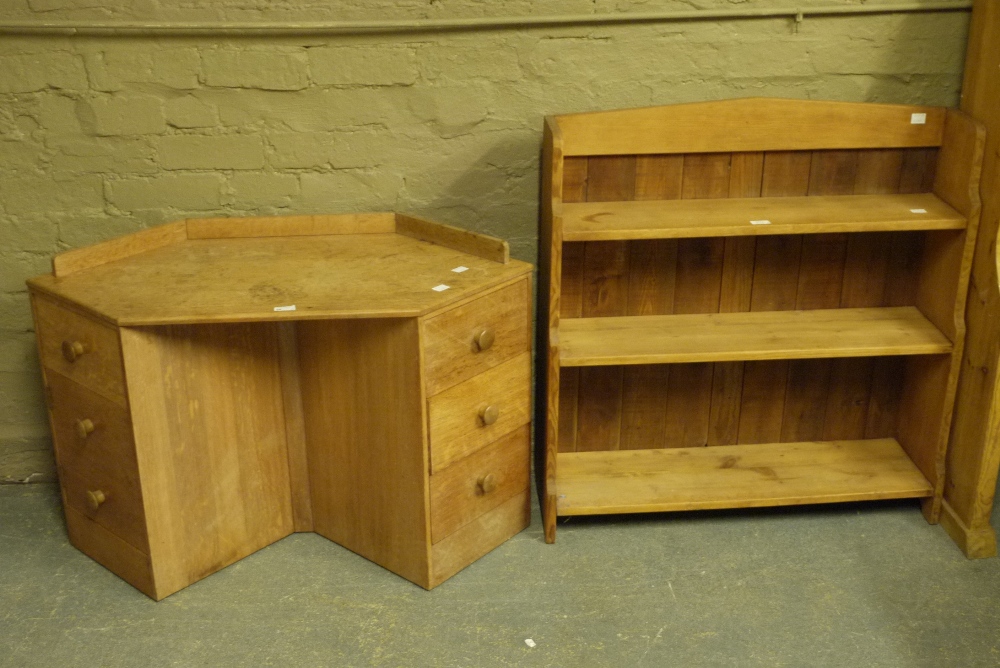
x,y
752,302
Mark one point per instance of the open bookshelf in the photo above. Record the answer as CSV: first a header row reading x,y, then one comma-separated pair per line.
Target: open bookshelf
x,y
752,303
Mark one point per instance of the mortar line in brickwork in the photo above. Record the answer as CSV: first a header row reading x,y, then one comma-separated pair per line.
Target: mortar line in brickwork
x,y
478,23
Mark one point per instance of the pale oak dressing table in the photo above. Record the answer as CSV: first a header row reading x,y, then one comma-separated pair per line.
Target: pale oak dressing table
x,y
215,385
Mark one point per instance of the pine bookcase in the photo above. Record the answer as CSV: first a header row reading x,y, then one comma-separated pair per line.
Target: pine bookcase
x,y
752,302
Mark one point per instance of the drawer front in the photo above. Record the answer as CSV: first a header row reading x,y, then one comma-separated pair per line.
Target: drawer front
x,y
479,411
479,483
81,349
479,536
93,435
107,549
455,341
108,502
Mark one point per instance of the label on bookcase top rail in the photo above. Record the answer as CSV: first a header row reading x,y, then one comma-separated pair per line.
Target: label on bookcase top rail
x,y
760,222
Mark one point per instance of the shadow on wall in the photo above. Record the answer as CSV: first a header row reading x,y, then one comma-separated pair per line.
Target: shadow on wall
x,y
496,193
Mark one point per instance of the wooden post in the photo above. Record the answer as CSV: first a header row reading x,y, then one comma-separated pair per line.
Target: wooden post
x,y
974,450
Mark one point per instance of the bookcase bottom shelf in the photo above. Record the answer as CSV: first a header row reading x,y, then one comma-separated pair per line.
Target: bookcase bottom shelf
x,y
735,476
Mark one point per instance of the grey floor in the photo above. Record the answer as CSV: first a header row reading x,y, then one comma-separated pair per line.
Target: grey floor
x,y
857,585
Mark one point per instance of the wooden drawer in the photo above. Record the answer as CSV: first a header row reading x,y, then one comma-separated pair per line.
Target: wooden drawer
x,y
451,351
479,537
107,549
81,349
478,483
120,510
458,417
93,436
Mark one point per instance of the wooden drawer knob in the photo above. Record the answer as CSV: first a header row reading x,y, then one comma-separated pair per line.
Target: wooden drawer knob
x,y
84,428
484,339
72,350
487,483
489,414
95,498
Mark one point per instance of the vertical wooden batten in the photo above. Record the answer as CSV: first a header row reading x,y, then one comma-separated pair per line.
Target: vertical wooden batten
x,y
974,448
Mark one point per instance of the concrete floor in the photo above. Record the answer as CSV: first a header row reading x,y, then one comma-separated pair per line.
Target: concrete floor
x,y
856,585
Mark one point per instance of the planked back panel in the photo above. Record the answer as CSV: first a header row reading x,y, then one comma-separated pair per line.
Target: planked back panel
x,y
685,405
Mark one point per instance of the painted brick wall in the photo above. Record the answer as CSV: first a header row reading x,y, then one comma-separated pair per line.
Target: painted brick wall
x,y
101,136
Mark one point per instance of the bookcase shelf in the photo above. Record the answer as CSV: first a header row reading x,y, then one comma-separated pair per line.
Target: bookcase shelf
x,y
759,335
744,312
677,219
736,476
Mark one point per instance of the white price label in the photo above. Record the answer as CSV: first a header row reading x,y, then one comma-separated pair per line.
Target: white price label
x,y
440,288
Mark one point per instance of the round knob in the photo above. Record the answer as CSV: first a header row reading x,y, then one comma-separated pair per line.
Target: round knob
x,y
95,498
84,427
71,350
487,483
489,414
484,339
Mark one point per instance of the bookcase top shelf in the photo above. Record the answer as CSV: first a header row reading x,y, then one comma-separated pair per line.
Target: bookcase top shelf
x,y
674,219
755,335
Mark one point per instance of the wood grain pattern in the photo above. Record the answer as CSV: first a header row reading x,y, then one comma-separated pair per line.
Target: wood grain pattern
x,y
100,366
805,407
652,267
209,430
454,423
878,172
658,177
479,536
848,399
295,427
605,292
974,448
107,549
450,352
78,259
556,185
745,180
853,227
569,391
363,406
457,494
789,214
246,429
736,477
288,226
108,450
121,511
763,401
245,279
774,288
759,335
480,245
752,124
